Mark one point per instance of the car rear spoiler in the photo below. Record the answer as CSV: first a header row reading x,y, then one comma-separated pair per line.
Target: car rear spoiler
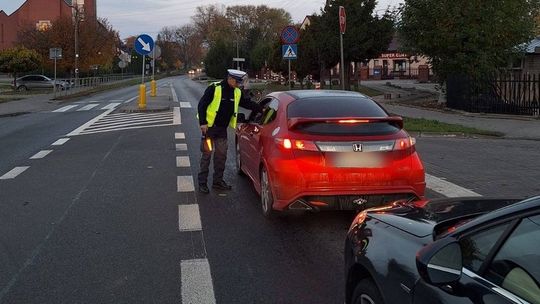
x,y
395,120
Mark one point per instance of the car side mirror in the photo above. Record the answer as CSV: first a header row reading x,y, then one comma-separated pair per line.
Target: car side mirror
x,y
440,263
241,118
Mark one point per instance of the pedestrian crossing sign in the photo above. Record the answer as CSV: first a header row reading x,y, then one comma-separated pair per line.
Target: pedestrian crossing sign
x,y
289,51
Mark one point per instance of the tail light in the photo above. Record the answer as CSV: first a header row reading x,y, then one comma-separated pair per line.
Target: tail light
x,y
296,144
404,143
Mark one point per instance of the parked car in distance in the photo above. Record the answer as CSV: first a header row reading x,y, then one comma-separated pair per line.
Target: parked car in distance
x,y
317,150
457,250
31,82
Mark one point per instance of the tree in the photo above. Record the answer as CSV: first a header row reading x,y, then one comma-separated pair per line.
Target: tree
x,y
472,38
219,59
367,35
18,60
98,43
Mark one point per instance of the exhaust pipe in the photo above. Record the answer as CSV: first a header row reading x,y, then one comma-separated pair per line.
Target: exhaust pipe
x,y
300,205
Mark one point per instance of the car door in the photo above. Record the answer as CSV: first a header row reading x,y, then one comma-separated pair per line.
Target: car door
x,y
250,143
495,269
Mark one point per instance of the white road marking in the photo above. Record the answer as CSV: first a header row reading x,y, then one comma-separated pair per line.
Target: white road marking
x,y
185,184
446,188
116,100
177,118
60,142
132,121
174,96
41,154
179,136
181,147
185,105
121,129
64,109
189,218
132,98
14,173
88,107
197,286
110,106
89,123
182,161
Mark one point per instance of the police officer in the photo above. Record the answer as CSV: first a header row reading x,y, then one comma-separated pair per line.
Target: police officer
x,y
218,109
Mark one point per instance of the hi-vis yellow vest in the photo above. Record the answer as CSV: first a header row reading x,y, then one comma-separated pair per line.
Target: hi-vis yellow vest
x,y
211,111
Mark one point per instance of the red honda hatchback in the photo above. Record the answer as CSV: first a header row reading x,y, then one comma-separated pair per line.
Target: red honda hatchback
x,y
316,150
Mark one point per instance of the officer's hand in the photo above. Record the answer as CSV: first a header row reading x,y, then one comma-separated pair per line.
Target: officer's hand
x,y
204,129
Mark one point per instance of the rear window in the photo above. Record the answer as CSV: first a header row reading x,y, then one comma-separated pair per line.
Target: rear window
x,y
336,107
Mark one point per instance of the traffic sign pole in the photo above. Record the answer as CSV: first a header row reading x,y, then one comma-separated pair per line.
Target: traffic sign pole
x,y
153,85
342,27
290,83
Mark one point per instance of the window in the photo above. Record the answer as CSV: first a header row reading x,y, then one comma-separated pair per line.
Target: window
x,y
270,112
476,248
516,267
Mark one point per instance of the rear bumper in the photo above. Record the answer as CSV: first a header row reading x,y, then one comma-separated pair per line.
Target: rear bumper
x,y
302,185
345,200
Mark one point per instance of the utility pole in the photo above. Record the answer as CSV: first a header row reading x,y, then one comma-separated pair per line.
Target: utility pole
x,y
237,50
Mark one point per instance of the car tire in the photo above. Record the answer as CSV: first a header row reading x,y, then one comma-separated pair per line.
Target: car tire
x,y
22,88
267,200
238,160
366,293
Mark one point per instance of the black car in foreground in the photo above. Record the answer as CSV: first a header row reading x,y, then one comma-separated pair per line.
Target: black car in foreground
x,y
468,250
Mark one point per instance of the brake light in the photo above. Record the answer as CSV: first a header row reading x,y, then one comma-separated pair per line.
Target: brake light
x,y
287,144
353,121
404,143
296,144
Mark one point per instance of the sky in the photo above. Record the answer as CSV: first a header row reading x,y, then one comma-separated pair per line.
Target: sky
x,y
134,17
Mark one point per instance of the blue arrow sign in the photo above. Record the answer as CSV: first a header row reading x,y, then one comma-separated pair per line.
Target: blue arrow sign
x,y
289,51
144,44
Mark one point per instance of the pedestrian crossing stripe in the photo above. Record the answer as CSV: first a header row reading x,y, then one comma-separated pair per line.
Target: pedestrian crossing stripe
x,y
128,121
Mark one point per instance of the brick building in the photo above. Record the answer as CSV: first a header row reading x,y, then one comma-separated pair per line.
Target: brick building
x,y
41,13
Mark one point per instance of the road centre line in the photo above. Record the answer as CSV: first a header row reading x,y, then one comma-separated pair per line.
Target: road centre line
x,y
447,188
177,120
89,123
60,142
183,162
185,184
41,154
197,286
131,99
174,96
179,136
181,147
189,218
14,173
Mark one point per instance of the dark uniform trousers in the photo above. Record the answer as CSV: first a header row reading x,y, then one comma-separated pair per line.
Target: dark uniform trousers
x,y
219,150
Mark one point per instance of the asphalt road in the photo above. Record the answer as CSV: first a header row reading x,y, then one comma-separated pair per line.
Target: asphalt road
x,y
109,217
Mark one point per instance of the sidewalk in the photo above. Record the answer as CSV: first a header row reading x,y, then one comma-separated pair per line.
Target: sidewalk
x,y
513,126
28,105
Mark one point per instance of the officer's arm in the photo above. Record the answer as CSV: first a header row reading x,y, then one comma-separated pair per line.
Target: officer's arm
x,y
204,102
249,104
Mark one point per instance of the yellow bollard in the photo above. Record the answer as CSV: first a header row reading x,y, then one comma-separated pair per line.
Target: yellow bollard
x,y
153,86
142,97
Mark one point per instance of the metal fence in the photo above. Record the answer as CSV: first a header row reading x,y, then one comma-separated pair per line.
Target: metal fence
x,y
502,94
66,87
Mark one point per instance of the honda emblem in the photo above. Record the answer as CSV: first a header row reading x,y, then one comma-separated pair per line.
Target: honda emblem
x,y
357,147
